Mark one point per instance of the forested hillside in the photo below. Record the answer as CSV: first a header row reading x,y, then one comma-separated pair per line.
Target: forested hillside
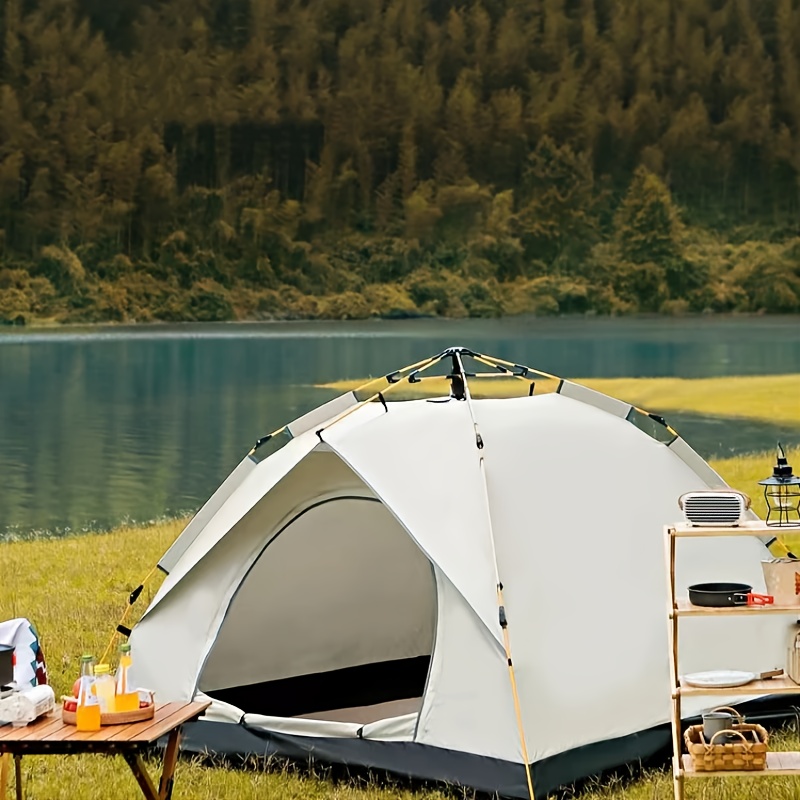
x,y
220,159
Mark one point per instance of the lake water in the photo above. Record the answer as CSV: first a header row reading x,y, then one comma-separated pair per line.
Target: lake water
x,y
102,425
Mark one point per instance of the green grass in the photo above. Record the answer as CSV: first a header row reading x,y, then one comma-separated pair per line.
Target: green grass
x,y
74,590
770,398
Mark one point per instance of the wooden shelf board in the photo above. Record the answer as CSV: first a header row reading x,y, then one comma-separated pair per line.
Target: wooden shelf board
x,y
687,609
747,528
778,763
779,685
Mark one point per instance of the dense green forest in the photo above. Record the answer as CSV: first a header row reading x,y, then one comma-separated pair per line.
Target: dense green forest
x,y
230,159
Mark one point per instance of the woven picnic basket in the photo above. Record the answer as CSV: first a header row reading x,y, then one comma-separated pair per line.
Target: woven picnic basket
x,y
746,751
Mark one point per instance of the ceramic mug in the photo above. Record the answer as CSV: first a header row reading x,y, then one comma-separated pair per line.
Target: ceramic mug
x,y
716,721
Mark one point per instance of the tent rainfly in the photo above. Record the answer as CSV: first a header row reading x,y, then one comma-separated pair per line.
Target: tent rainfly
x,y
452,589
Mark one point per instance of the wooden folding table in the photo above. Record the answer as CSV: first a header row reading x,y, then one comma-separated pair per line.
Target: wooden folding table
x,y
51,736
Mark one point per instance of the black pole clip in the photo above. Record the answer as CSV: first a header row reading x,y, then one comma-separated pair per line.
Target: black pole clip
x,y
262,441
393,377
134,596
457,387
124,630
503,619
458,379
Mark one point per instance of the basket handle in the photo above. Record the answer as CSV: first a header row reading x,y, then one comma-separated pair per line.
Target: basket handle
x,y
728,708
729,731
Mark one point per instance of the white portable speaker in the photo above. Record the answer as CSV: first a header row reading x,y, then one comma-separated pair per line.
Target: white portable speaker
x,y
714,507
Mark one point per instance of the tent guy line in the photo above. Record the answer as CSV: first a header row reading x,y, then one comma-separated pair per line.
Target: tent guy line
x,y
458,365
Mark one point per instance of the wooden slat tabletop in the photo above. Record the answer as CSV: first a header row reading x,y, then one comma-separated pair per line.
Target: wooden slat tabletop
x,y
53,730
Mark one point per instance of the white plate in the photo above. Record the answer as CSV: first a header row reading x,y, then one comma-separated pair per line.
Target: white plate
x,y
719,679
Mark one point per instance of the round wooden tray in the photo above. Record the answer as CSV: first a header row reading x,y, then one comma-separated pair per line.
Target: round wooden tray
x,y
117,718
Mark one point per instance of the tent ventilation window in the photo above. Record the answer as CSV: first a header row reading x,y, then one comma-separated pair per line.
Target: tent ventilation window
x,y
652,425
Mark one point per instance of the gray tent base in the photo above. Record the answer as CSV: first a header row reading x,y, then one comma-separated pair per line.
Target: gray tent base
x,y
424,763
419,763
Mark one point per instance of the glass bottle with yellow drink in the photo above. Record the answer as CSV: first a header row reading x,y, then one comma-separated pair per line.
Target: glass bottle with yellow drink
x,y
127,698
87,714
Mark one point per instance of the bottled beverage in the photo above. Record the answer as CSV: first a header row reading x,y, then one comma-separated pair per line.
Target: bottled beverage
x,y
127,698
88,710
104,688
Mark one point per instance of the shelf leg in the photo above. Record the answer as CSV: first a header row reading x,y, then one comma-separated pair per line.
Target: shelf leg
x,y
677,781
675,722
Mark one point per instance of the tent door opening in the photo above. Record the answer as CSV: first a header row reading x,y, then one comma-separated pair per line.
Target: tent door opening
x,y
335,620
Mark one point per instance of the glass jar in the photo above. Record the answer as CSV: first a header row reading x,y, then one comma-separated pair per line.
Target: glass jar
x,y
104,688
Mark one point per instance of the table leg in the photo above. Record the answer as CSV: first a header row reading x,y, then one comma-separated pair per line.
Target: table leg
x,y
140,773
18,774
170,761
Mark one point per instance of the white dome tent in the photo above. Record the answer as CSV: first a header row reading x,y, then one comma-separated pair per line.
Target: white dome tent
x,y
458,589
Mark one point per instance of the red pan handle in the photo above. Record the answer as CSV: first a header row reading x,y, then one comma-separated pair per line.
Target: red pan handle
x,y
754,599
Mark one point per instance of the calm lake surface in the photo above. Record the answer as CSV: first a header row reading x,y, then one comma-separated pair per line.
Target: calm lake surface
x,y
103,425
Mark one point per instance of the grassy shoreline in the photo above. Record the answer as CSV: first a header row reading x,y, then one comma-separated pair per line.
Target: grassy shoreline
x,y
75,590
769,398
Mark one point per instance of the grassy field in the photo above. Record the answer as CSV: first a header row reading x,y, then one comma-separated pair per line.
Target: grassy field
x,y
770,398
75,589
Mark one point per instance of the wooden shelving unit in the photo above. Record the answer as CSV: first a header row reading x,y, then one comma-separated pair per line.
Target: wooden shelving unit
x,y
778,763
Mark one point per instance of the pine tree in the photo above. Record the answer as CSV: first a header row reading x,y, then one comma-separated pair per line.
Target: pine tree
x,y
555,221
647,226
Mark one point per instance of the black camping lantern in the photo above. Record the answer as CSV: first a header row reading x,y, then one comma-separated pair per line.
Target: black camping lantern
x,y
782,493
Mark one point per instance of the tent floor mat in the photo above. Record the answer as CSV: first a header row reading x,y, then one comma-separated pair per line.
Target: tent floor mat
x,y
363,715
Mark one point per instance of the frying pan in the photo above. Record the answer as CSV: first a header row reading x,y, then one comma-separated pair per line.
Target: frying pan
x,y
727,594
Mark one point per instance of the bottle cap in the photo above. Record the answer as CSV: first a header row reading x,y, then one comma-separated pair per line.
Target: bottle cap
x,y
87,657
102,669
125,648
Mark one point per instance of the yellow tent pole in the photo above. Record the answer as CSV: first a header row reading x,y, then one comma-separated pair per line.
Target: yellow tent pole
x,y
491,361
133,597
382,392
499,584
409,368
